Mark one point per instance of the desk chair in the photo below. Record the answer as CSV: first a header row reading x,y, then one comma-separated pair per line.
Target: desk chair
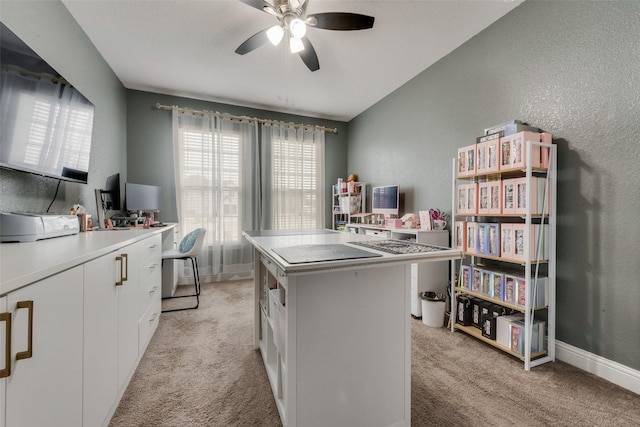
x,y
189,248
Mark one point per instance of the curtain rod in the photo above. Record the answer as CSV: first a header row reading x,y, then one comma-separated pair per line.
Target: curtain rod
x,y
251,119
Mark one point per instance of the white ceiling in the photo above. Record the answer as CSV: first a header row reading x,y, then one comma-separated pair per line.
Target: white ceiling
x,y
186,48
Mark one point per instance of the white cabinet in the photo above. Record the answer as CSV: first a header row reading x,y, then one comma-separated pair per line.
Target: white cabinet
x,y
120,289
94,300
323,343
149,290
100,383
5,325
45,383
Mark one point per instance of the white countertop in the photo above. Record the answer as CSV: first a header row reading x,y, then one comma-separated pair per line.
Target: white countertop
x,y
25,263
266,241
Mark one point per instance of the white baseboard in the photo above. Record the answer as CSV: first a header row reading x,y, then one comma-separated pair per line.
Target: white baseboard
x,y
599,366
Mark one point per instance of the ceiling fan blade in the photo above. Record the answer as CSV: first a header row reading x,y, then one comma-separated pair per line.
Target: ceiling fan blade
x,y
309,56
253,42
341,21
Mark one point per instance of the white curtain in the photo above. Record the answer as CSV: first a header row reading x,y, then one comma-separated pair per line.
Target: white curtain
x,y
293,177
216,172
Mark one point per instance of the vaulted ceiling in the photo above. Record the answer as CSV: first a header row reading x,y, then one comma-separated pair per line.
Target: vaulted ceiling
x,y
186,48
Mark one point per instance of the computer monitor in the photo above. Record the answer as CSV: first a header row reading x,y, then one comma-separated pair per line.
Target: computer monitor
x,y
142,198
111,193
385,200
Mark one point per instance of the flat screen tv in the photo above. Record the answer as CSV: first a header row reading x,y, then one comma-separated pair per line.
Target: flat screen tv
x,y
46,124
385,200
142,198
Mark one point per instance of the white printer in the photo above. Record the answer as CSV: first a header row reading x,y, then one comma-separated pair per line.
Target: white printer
x,y
29,227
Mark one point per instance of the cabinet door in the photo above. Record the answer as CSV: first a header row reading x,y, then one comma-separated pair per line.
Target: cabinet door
x,y
5,324
129,312
100,338
45,386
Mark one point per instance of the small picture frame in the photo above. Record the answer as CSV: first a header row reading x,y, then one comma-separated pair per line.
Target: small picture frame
x,y
487,285
460,235
476,280
472,232
509,293
425,220
461,205
493,155
466,276
497,280
493,240
495,195
472,199
508,196
481,158
481,241
462,161
483,198
506,241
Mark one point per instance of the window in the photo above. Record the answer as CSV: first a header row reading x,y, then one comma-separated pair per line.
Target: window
x,y
297,177
211,187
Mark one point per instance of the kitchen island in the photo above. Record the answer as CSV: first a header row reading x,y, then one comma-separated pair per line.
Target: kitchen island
x,y
333,324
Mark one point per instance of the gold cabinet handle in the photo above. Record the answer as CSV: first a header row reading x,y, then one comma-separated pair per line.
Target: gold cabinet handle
x,y
126,275
119,282
6,371
29,351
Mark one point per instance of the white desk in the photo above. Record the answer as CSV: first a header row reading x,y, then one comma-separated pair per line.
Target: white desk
x,y
336,343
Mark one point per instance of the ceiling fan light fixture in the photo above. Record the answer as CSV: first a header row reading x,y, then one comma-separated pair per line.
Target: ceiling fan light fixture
x,y
296,45
298,28
275,34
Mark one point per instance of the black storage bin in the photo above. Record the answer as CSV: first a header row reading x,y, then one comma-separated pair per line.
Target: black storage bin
x,y
463,312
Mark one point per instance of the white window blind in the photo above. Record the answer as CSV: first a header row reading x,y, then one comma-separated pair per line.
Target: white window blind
x,y
210,189
296,183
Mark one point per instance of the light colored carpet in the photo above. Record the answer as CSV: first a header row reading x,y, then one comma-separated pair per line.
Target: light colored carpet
x,y
200,370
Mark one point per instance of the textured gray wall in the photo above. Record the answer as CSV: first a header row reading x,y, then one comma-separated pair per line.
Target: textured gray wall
x,y
50,30
573,69
150,154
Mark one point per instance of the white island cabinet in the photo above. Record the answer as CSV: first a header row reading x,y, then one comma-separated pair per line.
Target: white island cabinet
x,y
332,322
44,387
90,303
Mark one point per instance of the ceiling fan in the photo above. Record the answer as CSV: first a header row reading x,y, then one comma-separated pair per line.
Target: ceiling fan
x,y
293,22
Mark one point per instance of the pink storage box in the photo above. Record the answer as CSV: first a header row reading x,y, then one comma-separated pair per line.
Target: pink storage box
x,y
513,151
467,160
520,242
539,196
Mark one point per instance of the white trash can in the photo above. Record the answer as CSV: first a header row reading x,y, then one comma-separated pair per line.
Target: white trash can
x,y
433,307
